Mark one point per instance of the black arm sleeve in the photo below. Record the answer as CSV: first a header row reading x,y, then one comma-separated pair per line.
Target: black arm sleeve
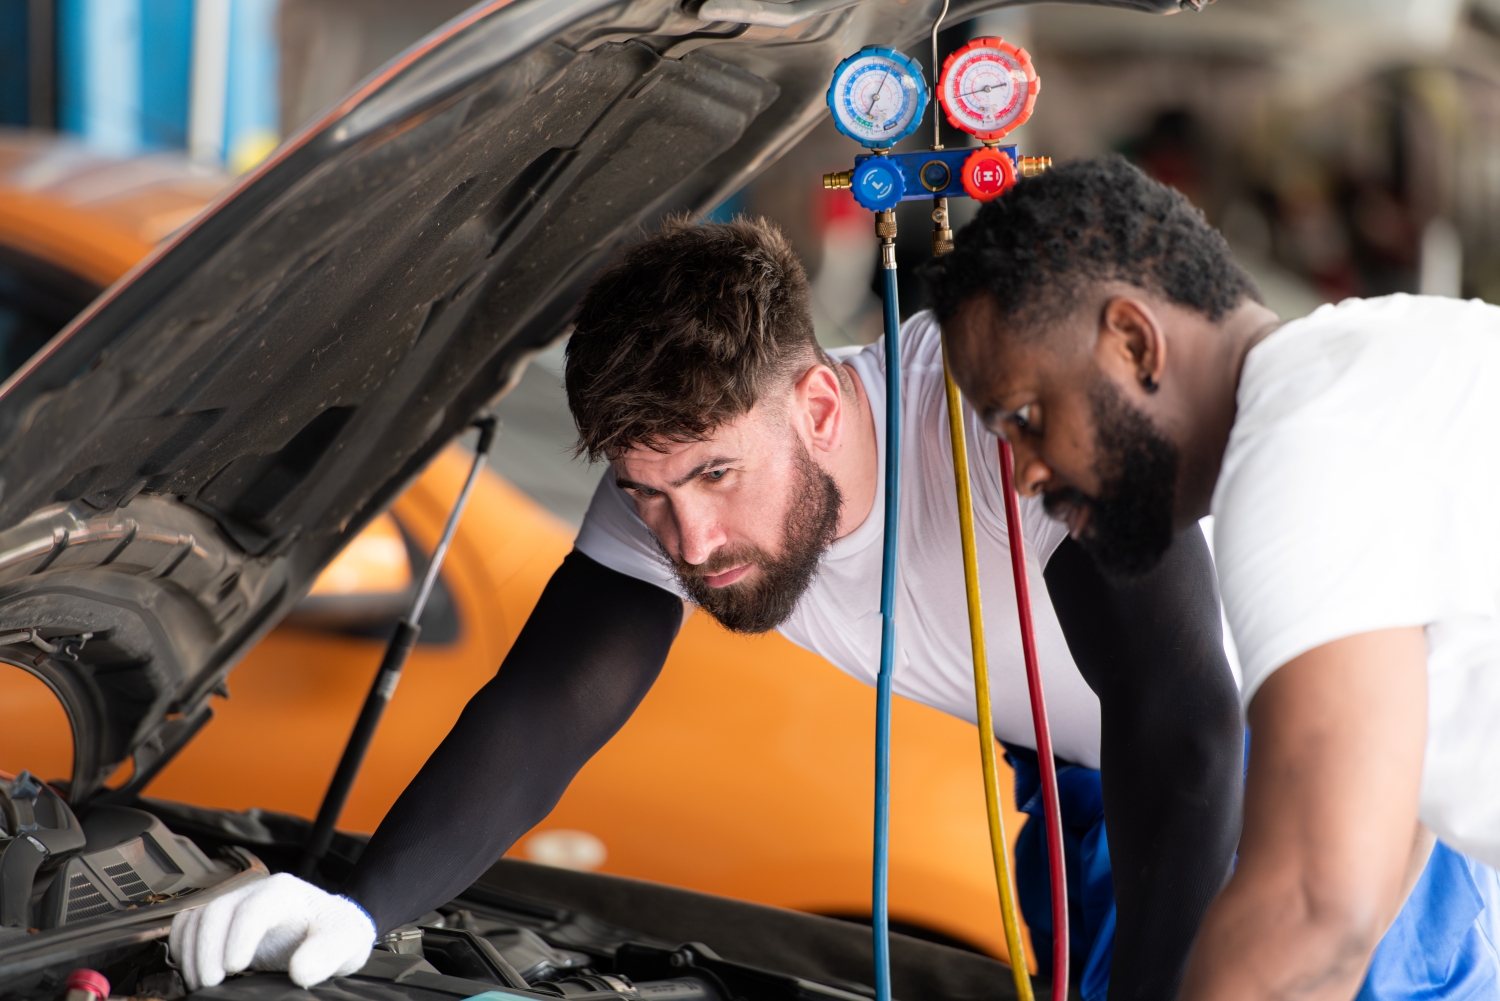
x,y
586,657
1171,747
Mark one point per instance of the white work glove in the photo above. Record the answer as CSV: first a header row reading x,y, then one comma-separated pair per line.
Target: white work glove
x,y
278,923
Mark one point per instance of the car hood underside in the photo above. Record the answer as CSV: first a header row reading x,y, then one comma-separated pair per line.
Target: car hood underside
x,y
178,464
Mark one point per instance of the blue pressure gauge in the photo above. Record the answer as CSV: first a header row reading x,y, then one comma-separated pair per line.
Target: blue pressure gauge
x,y
877,96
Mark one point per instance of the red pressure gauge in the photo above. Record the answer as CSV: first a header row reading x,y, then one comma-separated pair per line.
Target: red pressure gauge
x,y
988,87
987,174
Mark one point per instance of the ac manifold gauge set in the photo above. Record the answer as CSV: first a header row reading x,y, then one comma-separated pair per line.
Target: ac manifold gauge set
x,y
987,88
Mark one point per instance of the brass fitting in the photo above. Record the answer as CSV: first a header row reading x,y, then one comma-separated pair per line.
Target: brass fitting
x,y
942,233
839,180
1031,166
885,228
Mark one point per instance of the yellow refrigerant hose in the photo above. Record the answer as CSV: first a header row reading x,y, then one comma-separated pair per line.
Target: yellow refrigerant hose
x,y
1009,912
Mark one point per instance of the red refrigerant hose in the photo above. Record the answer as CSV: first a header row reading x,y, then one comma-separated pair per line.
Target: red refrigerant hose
x,y
1050,805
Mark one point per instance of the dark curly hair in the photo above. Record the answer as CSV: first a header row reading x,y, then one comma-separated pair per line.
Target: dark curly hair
x,y
1039,247
686,333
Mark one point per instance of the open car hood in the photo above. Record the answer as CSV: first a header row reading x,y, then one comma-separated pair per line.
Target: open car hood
x,y
178,464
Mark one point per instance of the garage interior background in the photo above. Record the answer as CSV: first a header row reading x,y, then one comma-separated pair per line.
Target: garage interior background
x,y
1345,147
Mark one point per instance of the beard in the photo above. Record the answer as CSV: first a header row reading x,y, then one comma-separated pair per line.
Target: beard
x,y
766,599
1130,521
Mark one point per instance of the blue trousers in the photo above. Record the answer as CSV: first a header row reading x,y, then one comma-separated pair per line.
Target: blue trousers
x,y
1443,944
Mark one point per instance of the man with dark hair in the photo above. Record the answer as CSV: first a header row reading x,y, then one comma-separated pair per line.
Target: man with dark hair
x,y
745,478
671,362
1097,320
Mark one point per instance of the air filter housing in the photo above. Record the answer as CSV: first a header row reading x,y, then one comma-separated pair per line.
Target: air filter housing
x,y
131,858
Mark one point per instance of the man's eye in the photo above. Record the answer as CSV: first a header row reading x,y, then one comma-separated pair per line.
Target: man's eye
x,y
647,491
1025,418
716,475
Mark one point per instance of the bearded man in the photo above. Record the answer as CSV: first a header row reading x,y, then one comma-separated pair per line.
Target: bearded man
x,y
1349,460
745,478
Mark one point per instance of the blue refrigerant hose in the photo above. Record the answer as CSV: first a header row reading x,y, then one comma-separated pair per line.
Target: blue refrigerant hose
x,y
880,893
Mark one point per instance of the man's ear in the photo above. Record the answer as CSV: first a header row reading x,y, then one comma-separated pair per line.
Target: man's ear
x,y
819,398
1131,345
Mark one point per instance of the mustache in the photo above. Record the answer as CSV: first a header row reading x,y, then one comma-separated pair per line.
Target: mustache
x,y
1055,501
718,562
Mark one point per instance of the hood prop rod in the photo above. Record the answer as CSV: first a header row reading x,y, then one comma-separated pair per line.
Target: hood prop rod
x,y
408,628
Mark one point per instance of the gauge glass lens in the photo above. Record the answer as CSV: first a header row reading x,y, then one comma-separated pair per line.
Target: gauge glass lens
x,y
988,89
876,99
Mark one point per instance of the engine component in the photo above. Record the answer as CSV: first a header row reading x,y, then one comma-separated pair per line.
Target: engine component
x,y
460,953
674,989
43,834
86,985
130,858
533,958
678,989
57,871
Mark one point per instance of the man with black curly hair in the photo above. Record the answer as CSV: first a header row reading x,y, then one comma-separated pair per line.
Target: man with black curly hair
x,y
1096,320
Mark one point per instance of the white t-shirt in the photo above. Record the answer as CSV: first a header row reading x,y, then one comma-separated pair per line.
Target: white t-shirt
x,y
839,615
1361,490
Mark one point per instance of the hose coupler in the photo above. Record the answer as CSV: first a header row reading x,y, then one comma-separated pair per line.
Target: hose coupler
x,y
1031,166
885,229
839,180
942,232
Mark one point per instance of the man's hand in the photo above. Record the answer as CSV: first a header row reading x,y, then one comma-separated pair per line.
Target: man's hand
x,y
1337,738
280,923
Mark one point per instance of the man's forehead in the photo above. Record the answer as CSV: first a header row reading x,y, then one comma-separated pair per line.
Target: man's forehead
x,y
985,354
994,358
665,454
666,461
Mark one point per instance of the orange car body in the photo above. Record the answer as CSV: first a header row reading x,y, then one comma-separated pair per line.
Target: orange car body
x,y
746,772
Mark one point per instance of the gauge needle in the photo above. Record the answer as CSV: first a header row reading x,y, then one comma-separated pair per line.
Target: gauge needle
x,y
881,86
982,90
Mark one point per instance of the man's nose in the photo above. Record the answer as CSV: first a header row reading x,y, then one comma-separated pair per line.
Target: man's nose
x,y
699,533
1031,472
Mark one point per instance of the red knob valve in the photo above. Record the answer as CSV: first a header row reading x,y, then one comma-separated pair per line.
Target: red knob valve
x,y
987,174
87,985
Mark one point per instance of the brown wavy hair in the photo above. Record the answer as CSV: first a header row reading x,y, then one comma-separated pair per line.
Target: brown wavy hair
x,y
685,333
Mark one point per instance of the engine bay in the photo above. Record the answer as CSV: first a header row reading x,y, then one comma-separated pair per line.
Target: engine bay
x,y
98,888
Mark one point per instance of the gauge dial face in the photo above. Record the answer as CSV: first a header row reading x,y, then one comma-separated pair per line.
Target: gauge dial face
x,y
877,96
988,87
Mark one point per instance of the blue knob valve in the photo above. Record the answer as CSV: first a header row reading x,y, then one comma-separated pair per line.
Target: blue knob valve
x,y
877,184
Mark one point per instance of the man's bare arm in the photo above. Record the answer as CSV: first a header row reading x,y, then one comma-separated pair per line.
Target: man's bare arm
x,y
1331,826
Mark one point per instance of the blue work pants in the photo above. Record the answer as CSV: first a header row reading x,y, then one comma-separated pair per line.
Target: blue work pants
x,y
1443,944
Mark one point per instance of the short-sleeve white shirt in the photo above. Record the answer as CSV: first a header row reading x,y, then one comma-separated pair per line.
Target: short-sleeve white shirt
x,y
1360,490
839,615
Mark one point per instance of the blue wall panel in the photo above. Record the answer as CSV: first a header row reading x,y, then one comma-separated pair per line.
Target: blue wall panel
x,y
251,110
14,64
112,78
72,16
125,74
166,67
